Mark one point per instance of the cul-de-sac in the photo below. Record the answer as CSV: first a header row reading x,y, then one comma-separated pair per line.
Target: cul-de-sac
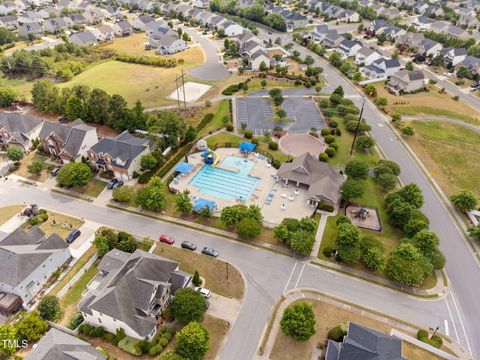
x,y
239,179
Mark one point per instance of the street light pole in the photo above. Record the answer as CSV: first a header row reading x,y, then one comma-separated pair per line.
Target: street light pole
x,y
434,331
358,127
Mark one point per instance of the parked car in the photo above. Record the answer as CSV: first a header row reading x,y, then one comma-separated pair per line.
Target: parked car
x,y
55,170
210,251
205,292
475,86
111,184
448,74
189,245
75,233
166,239
117,184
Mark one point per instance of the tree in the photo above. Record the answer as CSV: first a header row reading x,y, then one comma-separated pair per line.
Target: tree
x,y
183,203
351,189
365,142
74,174
407,265
263,83
464,200
126,242
347,240
302,242
298,321
190,134
97,106
8,335
391,164
399,212
148,162
167,123
249,228
49,308
123,194
196,279
335,59
192,341
357,169
308,60
339,91
152,196
102,244
474,231
374,258
371,90
386,181
7,95
231,215
170,355
44,95
409,66
32,327
15,153
263,66
282,114
36,166
411,194
6,36
188,305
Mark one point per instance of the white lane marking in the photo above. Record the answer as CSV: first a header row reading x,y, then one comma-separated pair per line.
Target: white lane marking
x,y
461,323
380,125
290,277
299,276
446,327
451,317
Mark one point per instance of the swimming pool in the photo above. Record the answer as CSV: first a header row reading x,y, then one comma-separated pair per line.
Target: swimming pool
x,y
226,184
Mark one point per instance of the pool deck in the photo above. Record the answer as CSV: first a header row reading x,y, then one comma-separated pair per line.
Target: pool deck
x,y
276,201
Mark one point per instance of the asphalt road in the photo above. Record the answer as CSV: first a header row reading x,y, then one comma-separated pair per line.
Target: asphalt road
x,y
462,267
211,69
267,274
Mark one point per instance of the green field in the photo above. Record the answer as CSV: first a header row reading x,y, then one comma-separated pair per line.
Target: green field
x,y
450,153
21,85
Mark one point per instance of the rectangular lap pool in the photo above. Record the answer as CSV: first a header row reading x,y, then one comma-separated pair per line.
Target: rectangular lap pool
x,y
226,184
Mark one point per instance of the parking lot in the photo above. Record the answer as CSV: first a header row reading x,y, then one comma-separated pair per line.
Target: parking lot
x,y
302,114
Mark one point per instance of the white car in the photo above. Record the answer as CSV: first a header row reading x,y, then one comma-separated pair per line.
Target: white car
x,y
205,292
448,74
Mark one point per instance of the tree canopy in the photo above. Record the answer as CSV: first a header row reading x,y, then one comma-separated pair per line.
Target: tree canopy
x,y
298,321
188,305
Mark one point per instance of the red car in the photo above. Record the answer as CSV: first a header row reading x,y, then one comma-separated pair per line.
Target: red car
x,y
166,239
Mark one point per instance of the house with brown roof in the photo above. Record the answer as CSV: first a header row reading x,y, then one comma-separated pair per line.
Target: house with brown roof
x,y
321,180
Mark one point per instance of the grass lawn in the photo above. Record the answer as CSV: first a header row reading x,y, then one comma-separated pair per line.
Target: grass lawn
x,y
93,188
131,45
327,316
450,153
217,329
220,110
48,228
22,169
213,270
69,301
429,103
21,85
76,268
7,212
151,85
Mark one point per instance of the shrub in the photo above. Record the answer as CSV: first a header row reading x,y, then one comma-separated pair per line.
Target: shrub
x,y
323,157
333,123
249,228
145,177
248,134
298,321
435,341
336,334
357,169
75,321
330,151
342,219
119,334
276,163
325,132
144,346
327,252
230,127
231,89
98,332
130,345
329,139
272,145
163,341
123,194
109,337
334,145
408,130
155,350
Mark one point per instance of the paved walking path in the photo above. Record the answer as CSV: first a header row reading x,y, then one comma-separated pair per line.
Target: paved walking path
x,y
442,119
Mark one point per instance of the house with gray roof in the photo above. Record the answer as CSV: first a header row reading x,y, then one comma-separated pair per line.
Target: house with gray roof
x,y
381,68
169,45
362,343
135,290
405,81
454,56
121,155
58,345
35,29
123,28
67,142
366,56
321,180
28,258
9,22
18,129
84,38
55,25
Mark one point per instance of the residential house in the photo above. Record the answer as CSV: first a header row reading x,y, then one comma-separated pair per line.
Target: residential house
x,y
295,20
439,26
84,38
134,291
55,25
120,155
113,13
420,7
468,20
454,56
364,343
168,45
31,29
18,129
58,345
251,47
332,39
216,21
366,56
429,47
67,141
123,28
389,13
257,58
348,48
472,63
377,25
319,33
381,68
320,179
434,11
201,4
405,81
104,33
410,40
78,19
49,12
422,22
140,22
231,28
349,16
9,22
458,33
28,259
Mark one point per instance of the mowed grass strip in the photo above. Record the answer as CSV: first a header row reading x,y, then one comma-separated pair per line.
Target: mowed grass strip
x,y
450,153
7,212
213,270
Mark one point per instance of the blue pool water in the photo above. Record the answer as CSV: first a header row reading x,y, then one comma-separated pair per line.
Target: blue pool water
x,y
226,184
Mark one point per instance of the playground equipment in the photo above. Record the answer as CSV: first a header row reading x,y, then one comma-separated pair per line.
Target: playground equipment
x,y
210,157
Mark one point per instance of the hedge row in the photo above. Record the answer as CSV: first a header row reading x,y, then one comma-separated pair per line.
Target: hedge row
x,y
169,165
206,119
147,60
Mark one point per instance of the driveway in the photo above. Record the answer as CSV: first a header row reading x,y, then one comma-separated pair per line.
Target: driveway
x,y
84,241
224,308
211,69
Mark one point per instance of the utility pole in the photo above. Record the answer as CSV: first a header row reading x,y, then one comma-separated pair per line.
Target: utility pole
x,y
358,127
226,264
181,78
178,95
